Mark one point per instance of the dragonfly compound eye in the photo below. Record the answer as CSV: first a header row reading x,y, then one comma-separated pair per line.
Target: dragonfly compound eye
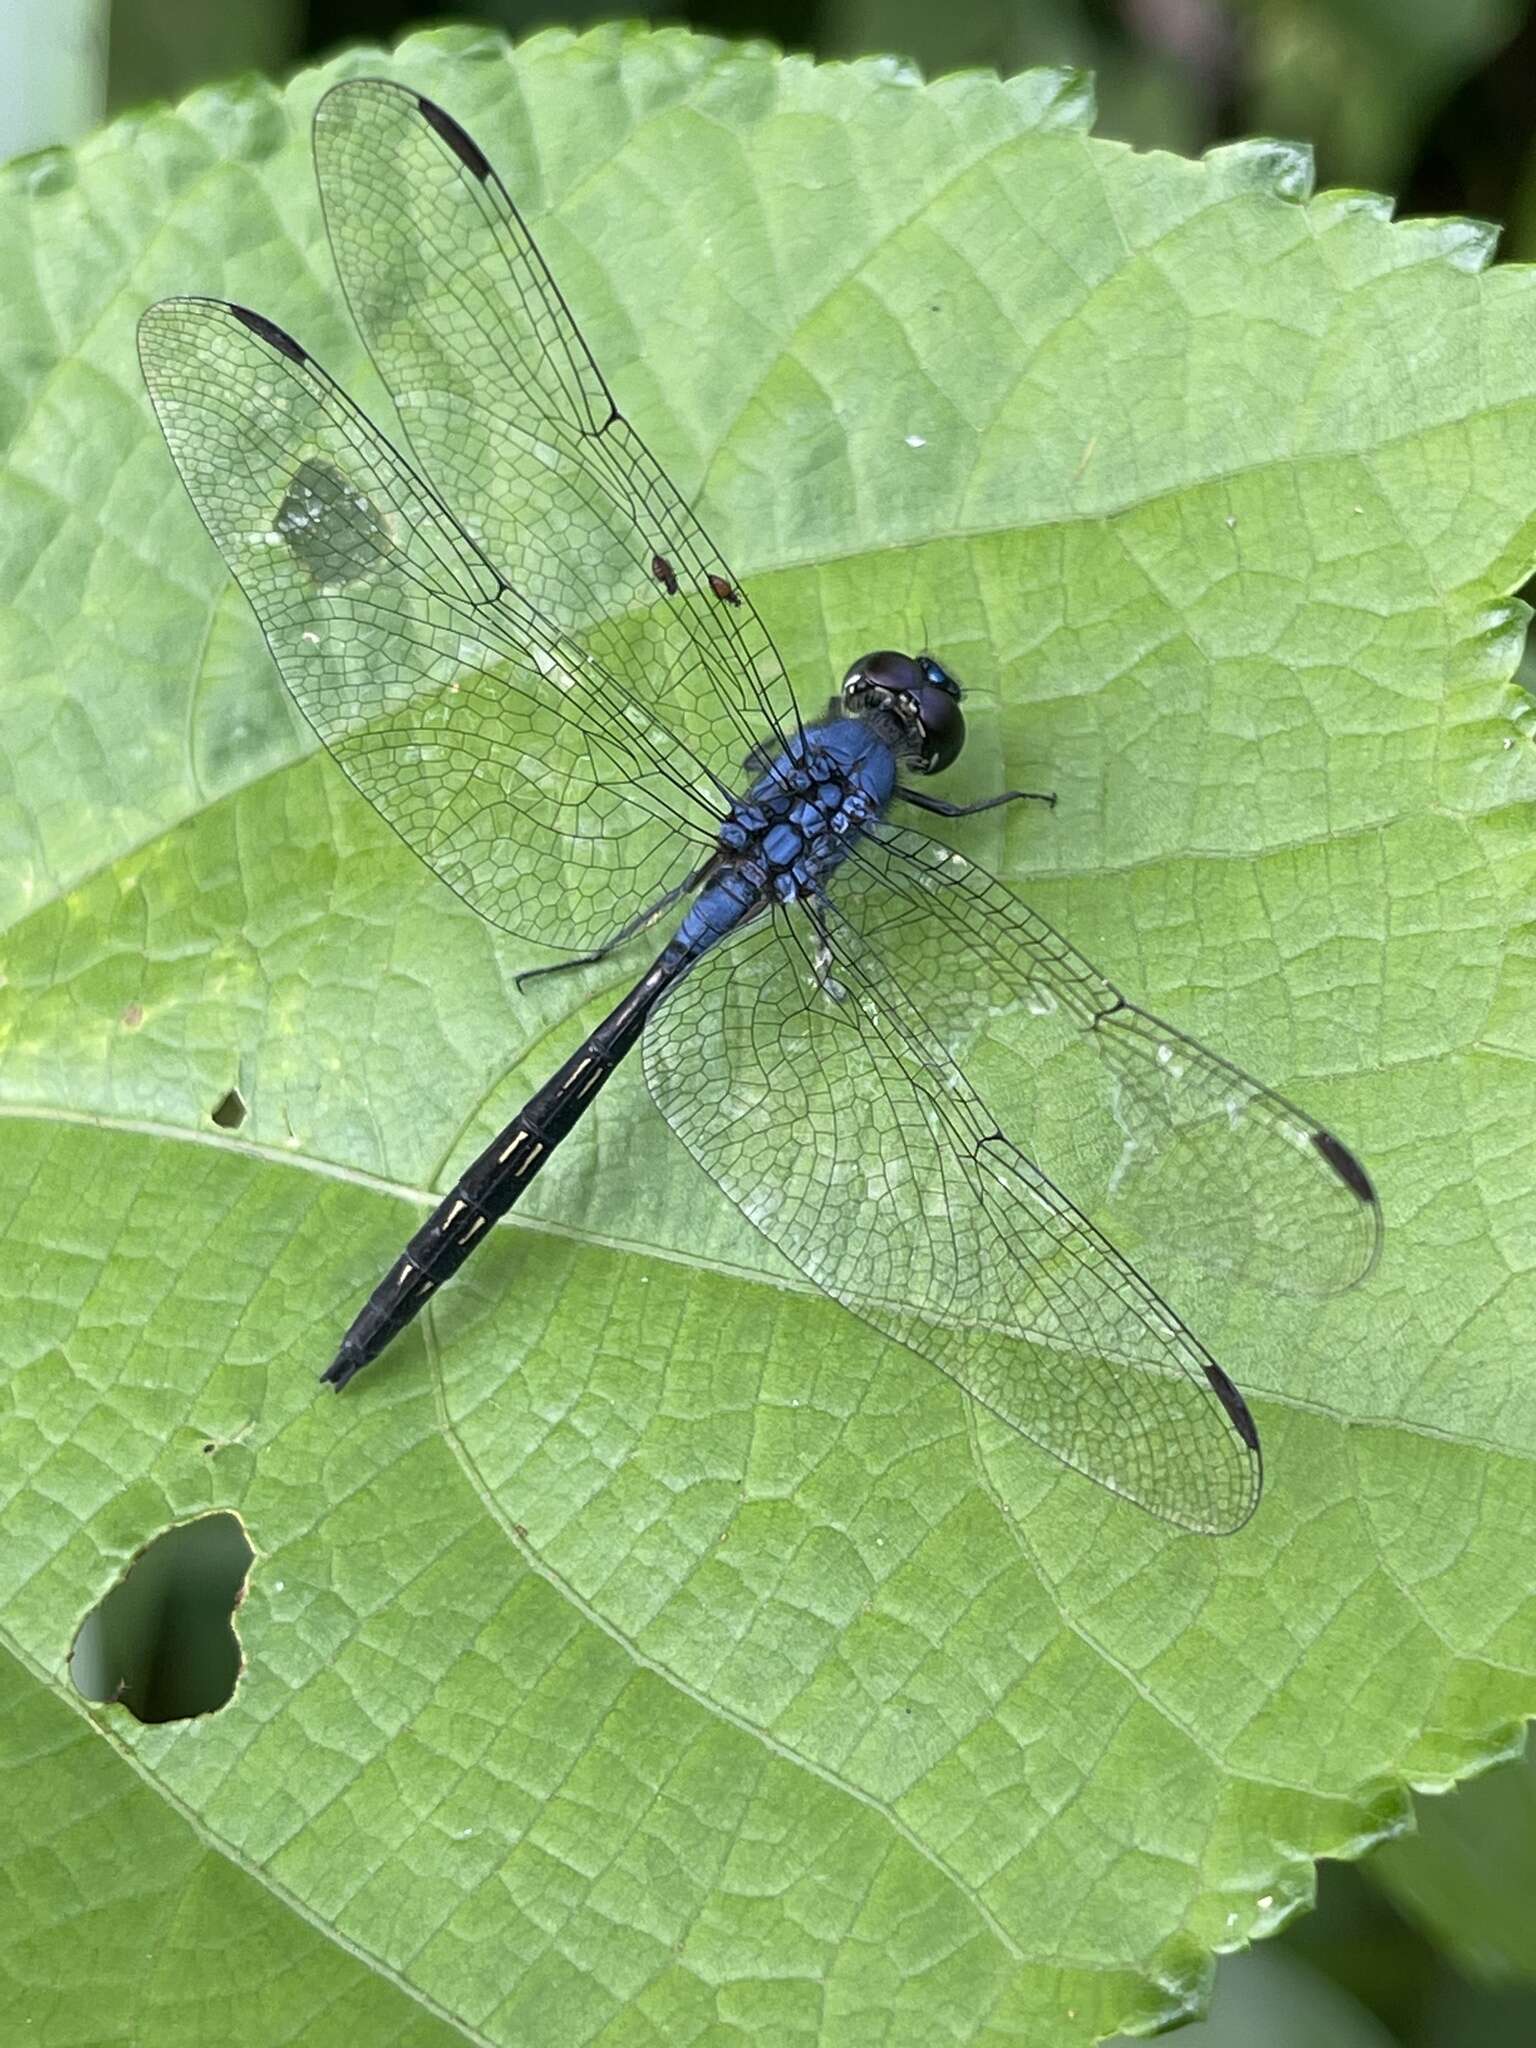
x,y
920,700
940,730
884,674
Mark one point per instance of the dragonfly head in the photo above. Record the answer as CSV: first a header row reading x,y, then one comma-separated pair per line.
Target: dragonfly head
x,y
916,699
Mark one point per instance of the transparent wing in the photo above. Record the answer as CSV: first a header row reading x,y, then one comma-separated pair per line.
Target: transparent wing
x,y
509,415
504,754
835,1119
1213,1164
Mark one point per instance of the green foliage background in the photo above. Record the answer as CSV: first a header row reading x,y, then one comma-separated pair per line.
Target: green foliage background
x,y
663,1658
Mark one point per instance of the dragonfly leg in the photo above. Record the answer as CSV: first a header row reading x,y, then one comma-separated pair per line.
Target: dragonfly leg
x,y
943,808
821,960
640,922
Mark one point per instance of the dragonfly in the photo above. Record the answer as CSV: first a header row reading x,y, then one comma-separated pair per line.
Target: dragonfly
x,y
517,640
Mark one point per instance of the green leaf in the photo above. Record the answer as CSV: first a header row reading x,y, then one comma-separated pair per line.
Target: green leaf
x,y
645,1652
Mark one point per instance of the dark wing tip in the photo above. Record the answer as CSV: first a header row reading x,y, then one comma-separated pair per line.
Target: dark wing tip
x,y
1235,1405
268,331
464,147
1346,1166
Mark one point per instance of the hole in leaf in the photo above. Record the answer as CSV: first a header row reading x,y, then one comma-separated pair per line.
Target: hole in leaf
x,y
229,1111
214,1444
162,1642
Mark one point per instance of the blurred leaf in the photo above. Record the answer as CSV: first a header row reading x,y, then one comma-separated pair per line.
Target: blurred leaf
x,y
162,1640
1357,1939
659,1657
1146,95
1469,1874
1462,2015
1362,78
162,48
1519,241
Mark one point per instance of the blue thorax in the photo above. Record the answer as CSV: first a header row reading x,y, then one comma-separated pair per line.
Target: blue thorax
x,y
794,825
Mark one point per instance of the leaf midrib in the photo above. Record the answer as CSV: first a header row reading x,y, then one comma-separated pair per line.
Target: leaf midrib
x,y
669,1255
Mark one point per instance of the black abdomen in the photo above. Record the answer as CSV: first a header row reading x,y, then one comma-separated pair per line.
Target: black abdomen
x,y
488,1188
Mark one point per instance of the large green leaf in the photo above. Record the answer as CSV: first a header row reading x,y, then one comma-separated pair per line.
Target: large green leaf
x,y
644,1652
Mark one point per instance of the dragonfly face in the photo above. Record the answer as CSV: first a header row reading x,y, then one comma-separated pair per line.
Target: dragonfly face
x,y
921,698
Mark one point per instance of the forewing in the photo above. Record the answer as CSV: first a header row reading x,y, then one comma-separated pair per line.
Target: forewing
x,y
1212,1163
510,417
504,755
841,1127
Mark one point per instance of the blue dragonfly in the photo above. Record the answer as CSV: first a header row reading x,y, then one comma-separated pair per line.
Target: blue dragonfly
x,y
521,646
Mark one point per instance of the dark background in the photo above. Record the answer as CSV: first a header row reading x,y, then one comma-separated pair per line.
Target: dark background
x,y
1431,100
